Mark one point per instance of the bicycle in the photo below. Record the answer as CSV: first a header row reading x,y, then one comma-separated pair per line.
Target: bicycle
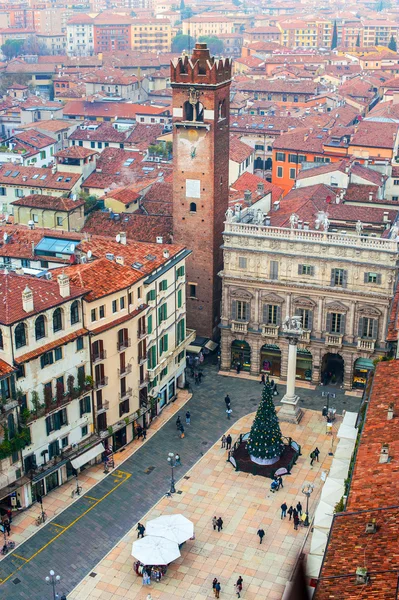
x,y
7,547
41,519
76,492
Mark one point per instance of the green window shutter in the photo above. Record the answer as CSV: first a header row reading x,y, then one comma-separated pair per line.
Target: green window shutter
x,y
179,299
149,324
165,344
160,346
160,314
183,329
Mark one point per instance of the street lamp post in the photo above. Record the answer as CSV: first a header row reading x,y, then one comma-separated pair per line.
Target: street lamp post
x,y
307,490
172,462
53,580
40,500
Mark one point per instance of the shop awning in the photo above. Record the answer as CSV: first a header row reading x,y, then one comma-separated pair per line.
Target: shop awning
x,y
84,458
364,363
194,349
211,345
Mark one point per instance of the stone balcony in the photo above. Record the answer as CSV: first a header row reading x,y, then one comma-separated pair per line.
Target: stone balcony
x,y
270,331
366,344
305,337
239,327
333,339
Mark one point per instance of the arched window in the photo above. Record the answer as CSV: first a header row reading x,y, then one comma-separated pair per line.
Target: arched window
x,y
222,109
20,335
193,112
193,207
188,111
40,327
75,317
57,320
11,426
1,340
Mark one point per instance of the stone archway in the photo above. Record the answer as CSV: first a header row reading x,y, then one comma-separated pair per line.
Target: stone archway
x,y
332,369
241,353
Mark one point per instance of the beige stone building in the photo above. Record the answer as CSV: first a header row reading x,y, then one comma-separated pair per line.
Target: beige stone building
x,y
52,212
340,284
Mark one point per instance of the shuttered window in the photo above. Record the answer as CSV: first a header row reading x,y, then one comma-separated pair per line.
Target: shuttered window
x,y
273,269
152,357
372,278
240,310
149,324
305,270
271,314
307,317
339,277
368,328
336,323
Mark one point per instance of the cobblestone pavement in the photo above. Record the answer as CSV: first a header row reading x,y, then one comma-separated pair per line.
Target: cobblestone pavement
x,y
81,535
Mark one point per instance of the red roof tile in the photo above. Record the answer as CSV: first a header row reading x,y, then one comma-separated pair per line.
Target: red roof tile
x,y
239,151
36,177
375,135
48,202
5,368
142,228
66,339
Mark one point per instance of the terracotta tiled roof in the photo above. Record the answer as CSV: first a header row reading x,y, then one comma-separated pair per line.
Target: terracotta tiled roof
x,y
66,339
142,228
33,138
280,86
126,195
122,110
370,175
46,294
5,368
103,132
48,202
143,135
75,152
36,177
249,181
322,169
375,135
239,151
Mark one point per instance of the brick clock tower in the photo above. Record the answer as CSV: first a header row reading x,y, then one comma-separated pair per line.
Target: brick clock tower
x,y
201,108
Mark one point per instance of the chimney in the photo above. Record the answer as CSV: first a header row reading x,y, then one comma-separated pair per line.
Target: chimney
x,y
261,188
120,260
248,196
54,169
27,300
384,454
342,193
371,527
390,412
337,199
306,225
267,222
166,253
276,205
63,282
370,196
159,239
123,237
385,216
361,575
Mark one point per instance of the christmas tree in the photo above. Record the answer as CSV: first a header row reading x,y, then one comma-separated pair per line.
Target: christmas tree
x,y
264,444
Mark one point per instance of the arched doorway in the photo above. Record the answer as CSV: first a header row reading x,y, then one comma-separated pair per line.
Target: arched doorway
x,y
304,364
258,164
332,369
241,353
270,360
361,370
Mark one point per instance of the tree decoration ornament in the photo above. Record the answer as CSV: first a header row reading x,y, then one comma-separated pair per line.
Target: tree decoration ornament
x,y
265,444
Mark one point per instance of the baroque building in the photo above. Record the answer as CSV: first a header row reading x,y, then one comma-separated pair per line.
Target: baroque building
x,y
341,285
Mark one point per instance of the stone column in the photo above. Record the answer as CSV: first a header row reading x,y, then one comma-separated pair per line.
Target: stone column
x,y
319,327
225,350
290,410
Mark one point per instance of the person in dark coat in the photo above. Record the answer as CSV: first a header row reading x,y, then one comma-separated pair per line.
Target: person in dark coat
x,y
299,509
296,522
228,442
219,523
141,530
290,511
261,535
227,400
283,510
316,452
262,379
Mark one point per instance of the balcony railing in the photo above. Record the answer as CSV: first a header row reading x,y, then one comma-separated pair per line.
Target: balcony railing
x,y
125,371
122,345
270,331
366,344
141,333
126,394
239,326
142,358
305,337
99,383
333,339
99,356
102,407
143,382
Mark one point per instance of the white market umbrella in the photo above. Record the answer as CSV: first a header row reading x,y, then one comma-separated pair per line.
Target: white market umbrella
x,y
347,432
318,542
332,491
152,550
339,469
323,516
175,528
344,449
313,565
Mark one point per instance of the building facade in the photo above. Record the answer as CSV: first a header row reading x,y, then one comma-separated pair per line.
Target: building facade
x,y
341,285
201,88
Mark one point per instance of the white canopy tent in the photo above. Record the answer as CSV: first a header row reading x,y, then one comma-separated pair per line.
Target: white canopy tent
x,y
344,449
313,565
323,516
318,542
339,468
347,432
87,456
176,528
350,419
152,550
332,491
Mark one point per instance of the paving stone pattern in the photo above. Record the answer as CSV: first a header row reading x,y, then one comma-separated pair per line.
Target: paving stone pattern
x,y
92,531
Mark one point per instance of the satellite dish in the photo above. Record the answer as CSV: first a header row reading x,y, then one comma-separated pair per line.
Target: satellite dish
x,y
118,238
89,254
72,247
5,236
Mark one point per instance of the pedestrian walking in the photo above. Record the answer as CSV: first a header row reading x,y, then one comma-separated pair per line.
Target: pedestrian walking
x,y
261,535
214,582
267,379
290,511
178,422
181,431
272,384
227,400
214,523
299,509
217,589
262,379
9,515
280,482
296,522
139,431
223,441
141,530
219,523
196,378
294,513
240,581
188,418
275,390
200,376
201,358
177,460
228,442
228,412
144,435
316,452
7,526
312,458
283,510
238,590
